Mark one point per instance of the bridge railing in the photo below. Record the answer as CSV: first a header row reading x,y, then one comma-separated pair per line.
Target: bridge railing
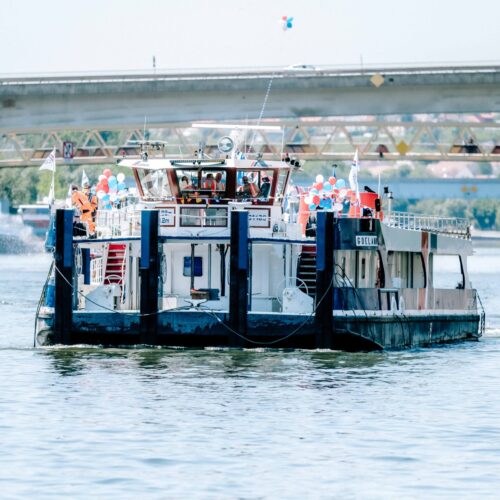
x,y
446,225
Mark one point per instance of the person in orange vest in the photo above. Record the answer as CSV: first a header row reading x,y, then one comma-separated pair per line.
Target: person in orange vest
x,y
92,199
81,202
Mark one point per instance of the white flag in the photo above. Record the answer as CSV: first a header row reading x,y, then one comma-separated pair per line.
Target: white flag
x,y
50,162
85,179
353,175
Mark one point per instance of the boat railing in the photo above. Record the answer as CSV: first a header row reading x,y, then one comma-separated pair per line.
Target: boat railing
x,y
124,221
445,225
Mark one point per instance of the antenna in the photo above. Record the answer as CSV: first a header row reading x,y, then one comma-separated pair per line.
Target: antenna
x,y
266,97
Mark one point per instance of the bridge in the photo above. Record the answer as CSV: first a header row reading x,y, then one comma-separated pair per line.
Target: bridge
x,y
318,109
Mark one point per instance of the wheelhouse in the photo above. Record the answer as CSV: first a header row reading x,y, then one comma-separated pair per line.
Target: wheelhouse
x,y
210,181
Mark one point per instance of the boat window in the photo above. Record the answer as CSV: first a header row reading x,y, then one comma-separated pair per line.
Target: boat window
x,y
203,216
154,183
191,217
206,183
398,268
406,269
345,269
187,180
282,177
197,268
367,269
254,184
447,271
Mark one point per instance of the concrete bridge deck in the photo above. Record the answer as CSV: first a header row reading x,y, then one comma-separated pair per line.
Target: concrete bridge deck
x,y
57,102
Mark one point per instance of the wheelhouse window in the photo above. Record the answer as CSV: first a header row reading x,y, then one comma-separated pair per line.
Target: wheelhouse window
x,y
154,183
282,178
255,184
206,183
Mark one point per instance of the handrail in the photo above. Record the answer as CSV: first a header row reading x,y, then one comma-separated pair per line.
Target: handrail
x,y
447,225
482,322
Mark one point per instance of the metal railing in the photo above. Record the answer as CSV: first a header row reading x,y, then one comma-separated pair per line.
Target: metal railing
x,y
445,225
124,221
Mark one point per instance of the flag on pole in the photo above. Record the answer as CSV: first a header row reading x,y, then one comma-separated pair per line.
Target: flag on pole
x,y
52,195
85,179
353,175
50,162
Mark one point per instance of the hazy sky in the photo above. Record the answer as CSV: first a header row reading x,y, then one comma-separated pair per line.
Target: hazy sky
x,y
85,35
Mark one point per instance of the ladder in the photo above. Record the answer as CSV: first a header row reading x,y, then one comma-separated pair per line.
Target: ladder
x,y
115,264
306,272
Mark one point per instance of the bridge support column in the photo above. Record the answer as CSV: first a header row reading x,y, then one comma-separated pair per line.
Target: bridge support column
x,y
238,277
63,306
325,271
149,272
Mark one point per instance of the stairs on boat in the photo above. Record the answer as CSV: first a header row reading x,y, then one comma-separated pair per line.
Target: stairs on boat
x,y
306,271
115,264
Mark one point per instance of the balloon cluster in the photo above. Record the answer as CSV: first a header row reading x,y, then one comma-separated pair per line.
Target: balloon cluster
x,y
331,193
286,23
111,189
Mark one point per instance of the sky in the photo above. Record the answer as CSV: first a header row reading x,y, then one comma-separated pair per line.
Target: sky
x,y
47,36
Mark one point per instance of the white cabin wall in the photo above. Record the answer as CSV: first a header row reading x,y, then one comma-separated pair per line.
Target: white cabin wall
x,y
276,270
260,269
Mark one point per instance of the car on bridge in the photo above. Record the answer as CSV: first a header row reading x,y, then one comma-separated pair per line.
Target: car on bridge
x,y
302,67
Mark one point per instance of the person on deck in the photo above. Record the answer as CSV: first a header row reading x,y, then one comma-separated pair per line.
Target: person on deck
x,y
247,189
81,201
265,188
92,199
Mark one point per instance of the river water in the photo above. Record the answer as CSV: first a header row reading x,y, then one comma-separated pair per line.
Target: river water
x,y
160,423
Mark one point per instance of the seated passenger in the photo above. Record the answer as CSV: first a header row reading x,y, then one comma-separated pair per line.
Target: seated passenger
x,y
247,189
185,184
265,188
210,183
219,185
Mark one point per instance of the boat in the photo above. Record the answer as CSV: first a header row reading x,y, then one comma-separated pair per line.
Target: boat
x,y
37,217
216,253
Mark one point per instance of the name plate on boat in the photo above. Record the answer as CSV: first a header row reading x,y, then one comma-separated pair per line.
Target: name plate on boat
x,y
366,240
259,217
167,217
